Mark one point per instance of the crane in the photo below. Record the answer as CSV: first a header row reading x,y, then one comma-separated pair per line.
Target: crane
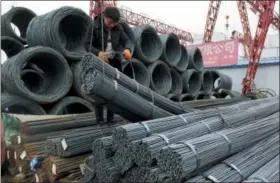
x,y
138,19
253,46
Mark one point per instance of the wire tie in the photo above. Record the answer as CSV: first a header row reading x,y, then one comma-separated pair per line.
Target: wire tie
x,y
226,124
146,127
228,141
181,116
213,179
163,137
118,73
92,171
192,148
235,168
207,126
153,103
260,178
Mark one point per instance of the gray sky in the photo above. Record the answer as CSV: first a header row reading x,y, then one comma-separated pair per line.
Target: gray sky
x,y
187,15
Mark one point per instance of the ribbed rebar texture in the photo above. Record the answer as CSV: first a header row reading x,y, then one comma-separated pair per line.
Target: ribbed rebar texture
x,y
191,81
46,61
184,60
125,134
148,46
17,105
122,159
64,29
196,60
268,173
135,68
177,83
90,60
188,156
207,82
20,17
106,171
221,81
145,150
102,148
185,97
173,97
80,141
161,81
171,53
241,165
71,105
97,84
10,46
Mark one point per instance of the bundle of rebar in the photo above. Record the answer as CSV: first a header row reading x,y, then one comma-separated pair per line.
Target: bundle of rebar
x,y
144,151
123,159
268,173
31,150
102,148
134,107
187,156
80,141
89,170
106,171
56,167
90,61
125,134
241,165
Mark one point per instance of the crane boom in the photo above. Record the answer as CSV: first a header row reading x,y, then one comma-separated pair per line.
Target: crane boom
x,y
265,19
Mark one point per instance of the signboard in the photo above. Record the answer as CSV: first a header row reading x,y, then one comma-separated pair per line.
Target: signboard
x,y
219,53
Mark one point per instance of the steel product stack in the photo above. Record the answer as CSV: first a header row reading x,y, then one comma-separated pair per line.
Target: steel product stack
x,y
134,152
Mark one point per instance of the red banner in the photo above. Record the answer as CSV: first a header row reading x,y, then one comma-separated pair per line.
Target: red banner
x,y
219,53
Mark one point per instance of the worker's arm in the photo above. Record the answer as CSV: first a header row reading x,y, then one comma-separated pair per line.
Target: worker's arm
x,y
127,42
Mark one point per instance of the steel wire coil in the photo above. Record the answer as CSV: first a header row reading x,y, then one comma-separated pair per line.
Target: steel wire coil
x,y
241,165
71,105
215,95
196,60
184,60
64,29
177,83
185,97
267,173
161,81
207,82
97,84
46,61
191,82
135,68
148,46
202,96
102,148
80,141
223,93
20,17
106,171
180,159
173,97
221,81
144,151
171,53
10,46
125,134
18,105
90,60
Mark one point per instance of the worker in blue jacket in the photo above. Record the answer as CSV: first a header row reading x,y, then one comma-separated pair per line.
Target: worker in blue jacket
x,y
114,40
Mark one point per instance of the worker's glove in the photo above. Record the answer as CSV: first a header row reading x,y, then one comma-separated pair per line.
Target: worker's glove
x,y
103,57
127,54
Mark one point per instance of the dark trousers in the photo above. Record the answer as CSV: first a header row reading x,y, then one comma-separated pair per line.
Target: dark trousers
x,y
99,110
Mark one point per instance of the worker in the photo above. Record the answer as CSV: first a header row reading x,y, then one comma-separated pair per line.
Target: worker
x,y
115,40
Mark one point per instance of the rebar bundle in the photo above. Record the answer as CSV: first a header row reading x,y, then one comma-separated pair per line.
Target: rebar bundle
x,y
241,165
102,148
80,141
90,60
185,157
135,107
31,150
106,171
51,146
123,159
268,173
89,171
56,167
144,151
